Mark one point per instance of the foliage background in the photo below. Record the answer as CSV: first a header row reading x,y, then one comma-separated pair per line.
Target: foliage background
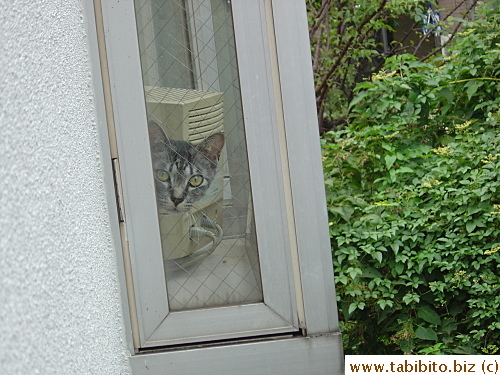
x,y
346,41
413,197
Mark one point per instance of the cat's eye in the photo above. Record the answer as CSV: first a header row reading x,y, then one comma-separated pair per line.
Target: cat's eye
x,y
196,180
162,174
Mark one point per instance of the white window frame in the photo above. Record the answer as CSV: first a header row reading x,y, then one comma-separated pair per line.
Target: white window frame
x,y
157,325
283,26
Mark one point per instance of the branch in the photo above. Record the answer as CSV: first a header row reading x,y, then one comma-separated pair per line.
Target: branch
x,y
324,84
320,16
452,35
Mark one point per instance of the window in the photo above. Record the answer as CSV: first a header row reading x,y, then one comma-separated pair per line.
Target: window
x,y
190,74
222,212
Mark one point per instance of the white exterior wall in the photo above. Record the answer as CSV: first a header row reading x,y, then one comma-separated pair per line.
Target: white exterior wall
x,y
59,297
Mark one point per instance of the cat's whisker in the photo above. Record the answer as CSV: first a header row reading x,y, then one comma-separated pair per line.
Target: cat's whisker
x,y
183,172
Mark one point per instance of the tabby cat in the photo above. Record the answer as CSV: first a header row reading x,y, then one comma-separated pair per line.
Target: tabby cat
x,y
182,171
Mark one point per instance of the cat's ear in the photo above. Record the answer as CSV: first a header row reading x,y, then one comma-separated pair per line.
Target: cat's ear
x,y
157,138
211,147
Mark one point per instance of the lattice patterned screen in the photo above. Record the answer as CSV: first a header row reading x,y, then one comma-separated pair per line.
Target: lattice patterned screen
x,y
192,91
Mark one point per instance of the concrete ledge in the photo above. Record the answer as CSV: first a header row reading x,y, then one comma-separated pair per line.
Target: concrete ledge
x,y
319,355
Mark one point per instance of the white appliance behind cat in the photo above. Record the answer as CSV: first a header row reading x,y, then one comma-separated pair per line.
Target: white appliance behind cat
x,y
192,116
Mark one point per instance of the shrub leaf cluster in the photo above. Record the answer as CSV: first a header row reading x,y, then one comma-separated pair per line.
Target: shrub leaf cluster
x,y
413,194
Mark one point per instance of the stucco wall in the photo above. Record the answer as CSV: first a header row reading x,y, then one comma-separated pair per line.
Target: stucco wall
x,y
59,299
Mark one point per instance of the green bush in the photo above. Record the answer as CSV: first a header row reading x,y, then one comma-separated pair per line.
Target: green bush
x,y
413,197
346,46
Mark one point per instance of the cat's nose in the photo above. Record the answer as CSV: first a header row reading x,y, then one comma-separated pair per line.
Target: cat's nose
x,y
176,201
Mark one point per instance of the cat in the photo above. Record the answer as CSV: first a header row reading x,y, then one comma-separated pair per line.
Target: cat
x,y
182,171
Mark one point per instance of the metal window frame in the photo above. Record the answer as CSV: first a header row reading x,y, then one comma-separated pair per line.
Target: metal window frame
x,y
319,351
157,325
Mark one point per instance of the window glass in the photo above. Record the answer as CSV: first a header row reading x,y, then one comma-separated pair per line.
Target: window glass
x,y
198,151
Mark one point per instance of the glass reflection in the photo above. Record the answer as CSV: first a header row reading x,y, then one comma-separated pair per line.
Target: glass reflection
x,y
198,150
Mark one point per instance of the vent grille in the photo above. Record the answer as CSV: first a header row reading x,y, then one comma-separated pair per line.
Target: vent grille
x,y
190,115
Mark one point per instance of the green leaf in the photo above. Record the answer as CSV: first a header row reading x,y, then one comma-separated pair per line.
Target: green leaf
x,y
371,273
344,307
399,268
446,140
473,209
389,160
405,170
392,175
354,272
479,223
352,307
447,93
472,87
387,146
345,212
373,218
429,315
426,333
470,226
409,108
358,202
357,99
457,309
395,246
